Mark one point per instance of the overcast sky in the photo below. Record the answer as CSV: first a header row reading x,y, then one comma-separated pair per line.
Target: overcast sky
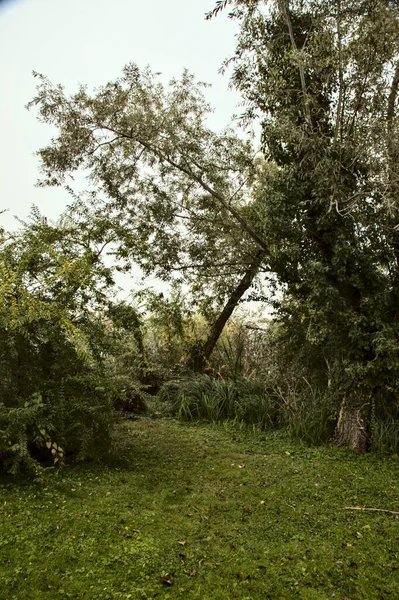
x,y
89,41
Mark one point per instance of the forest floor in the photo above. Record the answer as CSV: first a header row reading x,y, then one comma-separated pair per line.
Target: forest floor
x,y
204,512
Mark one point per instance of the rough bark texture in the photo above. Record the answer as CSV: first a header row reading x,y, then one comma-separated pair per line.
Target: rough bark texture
x,y
353,428
199,359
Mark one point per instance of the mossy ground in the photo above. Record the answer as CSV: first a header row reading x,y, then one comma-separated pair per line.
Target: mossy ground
x,y
201,512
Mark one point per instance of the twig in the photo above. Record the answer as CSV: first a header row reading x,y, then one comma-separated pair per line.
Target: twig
x,y
391,512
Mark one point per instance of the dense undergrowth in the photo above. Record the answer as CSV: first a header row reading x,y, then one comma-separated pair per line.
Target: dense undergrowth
x,y
73,358
204,511
308,415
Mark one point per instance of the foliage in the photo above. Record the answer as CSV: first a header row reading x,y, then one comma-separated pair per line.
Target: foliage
x,y
125,360
179,190
219,514
322,77
55,384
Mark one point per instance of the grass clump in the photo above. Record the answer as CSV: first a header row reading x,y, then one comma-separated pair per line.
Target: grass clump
x,y
306,416
217,400
200,512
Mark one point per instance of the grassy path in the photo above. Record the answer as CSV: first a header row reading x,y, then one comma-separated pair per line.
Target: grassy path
x,y
198,512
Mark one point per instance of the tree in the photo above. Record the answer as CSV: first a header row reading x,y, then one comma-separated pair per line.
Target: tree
x,y
178,194
323,79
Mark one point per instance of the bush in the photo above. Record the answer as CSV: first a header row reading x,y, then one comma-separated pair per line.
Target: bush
x,y
56,386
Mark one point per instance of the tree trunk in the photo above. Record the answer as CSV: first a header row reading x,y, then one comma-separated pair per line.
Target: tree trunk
x,y
199,358
353,428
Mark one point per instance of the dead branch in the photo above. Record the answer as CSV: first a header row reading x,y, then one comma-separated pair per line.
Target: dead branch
x,y
391,512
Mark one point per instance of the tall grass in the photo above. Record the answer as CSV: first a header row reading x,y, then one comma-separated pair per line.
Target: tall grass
x,y
217,400
304,415
307,413
385,436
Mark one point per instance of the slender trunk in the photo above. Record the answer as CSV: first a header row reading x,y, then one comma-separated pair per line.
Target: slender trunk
x,y
353,428
199,358
392,138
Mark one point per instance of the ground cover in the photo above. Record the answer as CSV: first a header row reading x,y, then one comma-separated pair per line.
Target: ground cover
x,y
199,511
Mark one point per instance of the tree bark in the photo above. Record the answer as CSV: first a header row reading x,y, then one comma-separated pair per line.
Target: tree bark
x,y
353,427
199,358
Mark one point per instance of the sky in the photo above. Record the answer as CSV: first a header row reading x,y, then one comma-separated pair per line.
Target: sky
x,y
89,41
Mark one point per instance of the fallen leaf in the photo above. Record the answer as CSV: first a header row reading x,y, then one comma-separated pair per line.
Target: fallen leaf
x,y
193,573
182,543
349,545
241,466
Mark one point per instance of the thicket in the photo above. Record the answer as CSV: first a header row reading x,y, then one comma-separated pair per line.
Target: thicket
x,y
73,358
63,373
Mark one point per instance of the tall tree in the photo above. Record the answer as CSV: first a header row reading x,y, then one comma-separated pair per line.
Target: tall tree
x,y
323,78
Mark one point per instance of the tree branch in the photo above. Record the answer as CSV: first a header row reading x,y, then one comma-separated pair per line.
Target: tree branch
x,y
284,8
338,118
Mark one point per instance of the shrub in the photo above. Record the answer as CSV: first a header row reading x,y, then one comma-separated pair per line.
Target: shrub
x,y
56,389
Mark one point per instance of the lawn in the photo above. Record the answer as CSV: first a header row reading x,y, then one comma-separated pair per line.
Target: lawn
x,y
200,511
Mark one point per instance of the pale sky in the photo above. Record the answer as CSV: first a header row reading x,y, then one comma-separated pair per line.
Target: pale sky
x,y
89,41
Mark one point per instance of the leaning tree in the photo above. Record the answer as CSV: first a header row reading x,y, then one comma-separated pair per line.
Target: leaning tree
x,y
178,197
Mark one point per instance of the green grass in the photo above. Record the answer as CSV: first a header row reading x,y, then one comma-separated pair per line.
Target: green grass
x,y
257,516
